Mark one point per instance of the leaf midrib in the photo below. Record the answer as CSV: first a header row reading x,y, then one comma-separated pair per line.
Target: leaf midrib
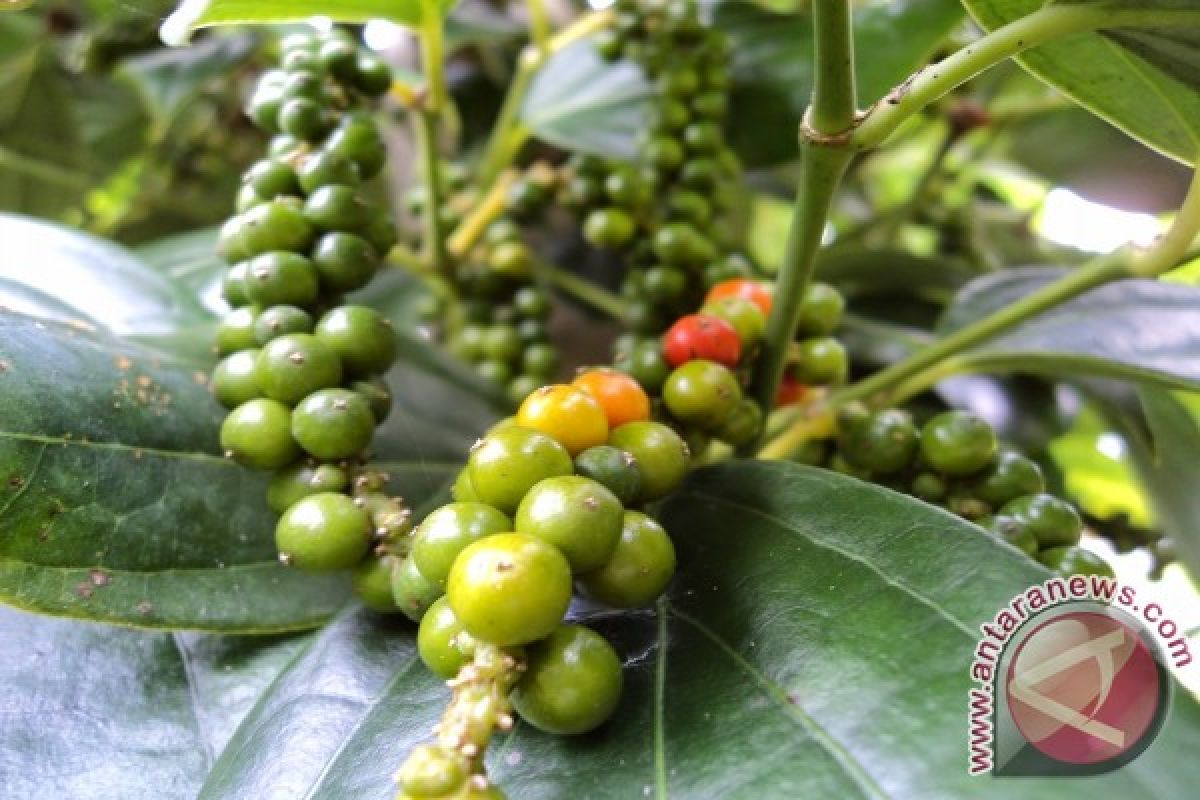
x,y
924,600
814,729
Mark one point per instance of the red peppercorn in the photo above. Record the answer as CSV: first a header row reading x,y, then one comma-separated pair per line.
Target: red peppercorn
x,y
702,336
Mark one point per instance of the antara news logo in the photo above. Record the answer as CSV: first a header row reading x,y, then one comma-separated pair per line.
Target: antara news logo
x,y
1071,679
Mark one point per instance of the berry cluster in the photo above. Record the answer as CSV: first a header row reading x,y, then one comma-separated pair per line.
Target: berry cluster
x,y
672,212
954,459
301,369
500,324
702,361
546,502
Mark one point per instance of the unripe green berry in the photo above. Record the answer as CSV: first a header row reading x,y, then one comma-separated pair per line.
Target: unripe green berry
x,y
258,434
413,592
291,484
640,567
572,684
509,588
234,379
323,532
294,366
332,424
363,339
443,534
577,515
371,581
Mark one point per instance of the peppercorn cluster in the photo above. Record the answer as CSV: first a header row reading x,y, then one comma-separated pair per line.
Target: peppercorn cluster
x,y
301,369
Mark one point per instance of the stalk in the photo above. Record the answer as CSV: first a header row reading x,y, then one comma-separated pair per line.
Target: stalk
x,y
831,114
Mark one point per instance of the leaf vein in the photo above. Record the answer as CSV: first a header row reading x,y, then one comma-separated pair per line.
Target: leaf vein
x,y
119,446
906,589
189,672
840,754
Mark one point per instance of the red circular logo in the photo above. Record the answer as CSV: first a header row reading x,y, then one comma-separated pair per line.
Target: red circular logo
x,y
1084,688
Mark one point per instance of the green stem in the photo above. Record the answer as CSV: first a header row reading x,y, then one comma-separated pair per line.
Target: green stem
x,y
539,24
433,55
1052,21
1173,248
428,123
503,144
831,113
1094,273
924,368
508,135
435,240
595,296
833,102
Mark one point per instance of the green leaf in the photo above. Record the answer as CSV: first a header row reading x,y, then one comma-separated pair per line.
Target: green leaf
x,y
816,643
42,158
166,80
772,63
305,720
1163,437
1140,330
1144,81
480,23
858,270
580,102
103,281
190,262
193,14
116,503
90,711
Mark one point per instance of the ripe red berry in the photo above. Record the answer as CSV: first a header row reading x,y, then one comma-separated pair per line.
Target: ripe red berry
x,y
757,292
702,336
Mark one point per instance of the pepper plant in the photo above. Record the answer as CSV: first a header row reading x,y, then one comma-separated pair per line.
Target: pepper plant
x,y
532,441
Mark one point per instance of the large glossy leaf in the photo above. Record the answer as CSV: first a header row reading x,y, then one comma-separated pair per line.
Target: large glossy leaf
x,y
1140,330
815,644
1144,81
1163,437
1169,469
116,504
103,281
580,102
193,14
89,711
772,63
190,261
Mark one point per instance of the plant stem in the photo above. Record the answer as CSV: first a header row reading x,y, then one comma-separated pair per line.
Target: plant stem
x,y
833,102
433,55
816,423
595,296
539,24
428,118
831,112
1054,21
435,255
469,231
507,133
1173,248
1095,273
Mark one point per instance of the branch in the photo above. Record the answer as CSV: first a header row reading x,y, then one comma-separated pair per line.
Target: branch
x,y
1049,22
